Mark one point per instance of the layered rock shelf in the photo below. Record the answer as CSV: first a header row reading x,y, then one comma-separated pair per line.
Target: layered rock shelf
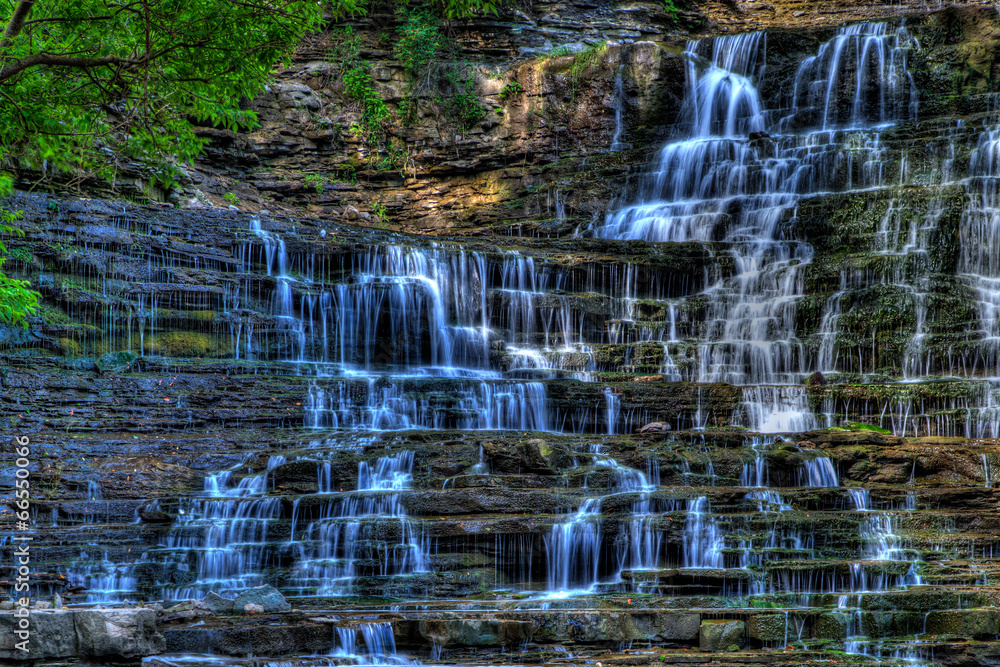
x,y
686,353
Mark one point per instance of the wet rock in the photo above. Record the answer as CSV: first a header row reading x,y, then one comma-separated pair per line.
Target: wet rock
x,y
767,627
266,597
536,454
145,477
270,640
53,635
831,625
218,604
719,635
475,632
116,361
126,633
655,427
975,623
152,513
675,626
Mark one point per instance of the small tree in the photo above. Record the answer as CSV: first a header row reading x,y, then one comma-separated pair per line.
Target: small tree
x,y
86,83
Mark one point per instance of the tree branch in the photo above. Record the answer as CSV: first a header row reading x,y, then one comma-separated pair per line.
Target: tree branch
x,y
16,22
62,61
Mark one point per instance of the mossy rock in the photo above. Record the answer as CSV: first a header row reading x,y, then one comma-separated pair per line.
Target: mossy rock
x,y
722,635
185,344
69,347
860,426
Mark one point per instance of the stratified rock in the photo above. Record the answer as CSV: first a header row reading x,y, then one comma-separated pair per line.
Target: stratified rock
x,y
116,361
721,634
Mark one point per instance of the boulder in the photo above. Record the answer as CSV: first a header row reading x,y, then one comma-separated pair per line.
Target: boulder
x,y
125,633
52,636
721,635
218,604
251,608
767,627
268,597
655,427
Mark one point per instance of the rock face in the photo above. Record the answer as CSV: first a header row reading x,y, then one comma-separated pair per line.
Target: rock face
x,y
722,635
110,634
574,376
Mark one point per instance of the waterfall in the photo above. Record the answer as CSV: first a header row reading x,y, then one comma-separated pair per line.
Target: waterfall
x,y
376,642
727,179
574,548
756,475
818,472
573,551
331,545
612,410
980,236
879,543
619,104
227,530
703,541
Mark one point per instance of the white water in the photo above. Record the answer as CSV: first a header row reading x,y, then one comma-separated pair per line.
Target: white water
x,y
713,183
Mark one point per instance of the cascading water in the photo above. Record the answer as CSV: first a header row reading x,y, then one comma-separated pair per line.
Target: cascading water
x,y
369,644
728,179
574,548
347,526
227,530
703,541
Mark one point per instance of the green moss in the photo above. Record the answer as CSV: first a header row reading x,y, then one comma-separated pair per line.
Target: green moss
x,y
69,347
859,426
185,344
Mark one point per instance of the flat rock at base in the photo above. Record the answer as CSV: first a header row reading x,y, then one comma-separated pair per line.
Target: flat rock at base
x,y
52,636
128,633
63,633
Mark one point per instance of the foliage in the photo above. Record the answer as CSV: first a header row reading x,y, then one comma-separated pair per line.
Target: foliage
x,y
316,181
464,104
559,52
89,83
345,48
419,41
512,89
231,197
374,111
670,8
584,61
379,214
455,9
17,300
